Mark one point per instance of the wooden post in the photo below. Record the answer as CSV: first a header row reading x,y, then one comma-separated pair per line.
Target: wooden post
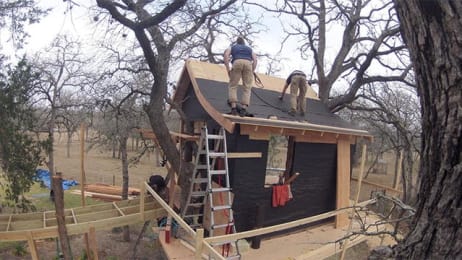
x,y
199,243
83,179
82,163
86,242
399,172
358,191
94,245
142,199
343,180
32,246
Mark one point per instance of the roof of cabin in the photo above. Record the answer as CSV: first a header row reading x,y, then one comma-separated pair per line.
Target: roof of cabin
x,y
210,84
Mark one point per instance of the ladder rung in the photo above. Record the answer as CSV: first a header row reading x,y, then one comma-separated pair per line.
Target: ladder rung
x,y
195,225
222,226
195,205
221,207
217,172
201,180
201,166
215,137
220,189
193,215
198,193
216,154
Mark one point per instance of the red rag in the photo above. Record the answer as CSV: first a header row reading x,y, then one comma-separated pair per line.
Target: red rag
x,y
280,195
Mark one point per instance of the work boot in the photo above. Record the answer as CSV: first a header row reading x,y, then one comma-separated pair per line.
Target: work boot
x,y
302,113
292,112
243,112
234,111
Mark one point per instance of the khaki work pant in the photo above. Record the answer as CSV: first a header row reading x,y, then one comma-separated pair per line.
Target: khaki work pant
x,y
241,69
297,93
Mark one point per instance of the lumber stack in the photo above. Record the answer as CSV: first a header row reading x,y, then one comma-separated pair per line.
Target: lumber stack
x,y
106,192
109,189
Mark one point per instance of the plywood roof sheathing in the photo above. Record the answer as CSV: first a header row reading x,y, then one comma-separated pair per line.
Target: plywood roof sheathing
x,y
217,116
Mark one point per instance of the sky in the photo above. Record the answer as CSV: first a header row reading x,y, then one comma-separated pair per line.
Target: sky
x,y
60,20
78,23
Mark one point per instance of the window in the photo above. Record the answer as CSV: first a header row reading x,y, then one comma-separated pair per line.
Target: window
x,y
277,158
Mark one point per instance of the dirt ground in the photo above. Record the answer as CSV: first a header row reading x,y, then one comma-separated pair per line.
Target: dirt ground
x,y
109,243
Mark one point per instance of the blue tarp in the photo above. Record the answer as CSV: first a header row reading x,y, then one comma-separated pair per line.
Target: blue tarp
x,y
44,176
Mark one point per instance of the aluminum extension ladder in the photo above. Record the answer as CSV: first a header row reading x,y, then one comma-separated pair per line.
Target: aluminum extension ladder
x,y
211,149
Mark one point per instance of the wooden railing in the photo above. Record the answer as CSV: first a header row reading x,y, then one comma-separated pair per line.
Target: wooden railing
x,y
204,245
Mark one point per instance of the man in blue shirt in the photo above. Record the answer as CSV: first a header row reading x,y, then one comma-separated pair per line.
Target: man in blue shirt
x,y
244,62
298,86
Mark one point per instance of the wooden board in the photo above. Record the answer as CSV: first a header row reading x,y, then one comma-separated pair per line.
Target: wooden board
x,y
244,155
175,249
217,72
255,124
343,181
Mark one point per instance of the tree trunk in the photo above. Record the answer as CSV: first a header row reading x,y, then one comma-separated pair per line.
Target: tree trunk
x,y
68,145
60,216
410,186
114,147
432,31
124,159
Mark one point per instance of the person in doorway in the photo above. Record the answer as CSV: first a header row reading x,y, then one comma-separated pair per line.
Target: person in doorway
x,y
298,87
244,62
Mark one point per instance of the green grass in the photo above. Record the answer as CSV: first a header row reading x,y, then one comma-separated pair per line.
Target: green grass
x,y
41,198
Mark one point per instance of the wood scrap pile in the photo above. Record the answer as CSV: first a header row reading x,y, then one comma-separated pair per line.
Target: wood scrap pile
x,y
107,192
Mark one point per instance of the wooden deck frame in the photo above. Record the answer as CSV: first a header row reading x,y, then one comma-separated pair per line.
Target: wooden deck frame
x,y
80,220
157,208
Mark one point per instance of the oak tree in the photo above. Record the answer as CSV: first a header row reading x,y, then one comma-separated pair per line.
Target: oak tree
x,y
431,30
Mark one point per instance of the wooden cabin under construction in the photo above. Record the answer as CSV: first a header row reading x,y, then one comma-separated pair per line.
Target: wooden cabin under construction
x,y
312,151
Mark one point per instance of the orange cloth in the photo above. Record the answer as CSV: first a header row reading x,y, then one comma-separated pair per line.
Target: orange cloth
x,y
280,195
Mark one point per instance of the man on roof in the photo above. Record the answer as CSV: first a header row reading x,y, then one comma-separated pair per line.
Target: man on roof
x,y
298,87
244,62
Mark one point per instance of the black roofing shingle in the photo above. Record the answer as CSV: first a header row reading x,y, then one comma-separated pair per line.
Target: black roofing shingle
x,y
265,103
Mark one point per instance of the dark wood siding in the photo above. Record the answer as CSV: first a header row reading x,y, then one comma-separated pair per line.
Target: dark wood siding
x,y
314,190
192,108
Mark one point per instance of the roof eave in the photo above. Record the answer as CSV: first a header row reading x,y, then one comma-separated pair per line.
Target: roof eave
x,y
298,126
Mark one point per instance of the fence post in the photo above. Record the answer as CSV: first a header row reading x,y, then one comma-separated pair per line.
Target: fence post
x,y
142,199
